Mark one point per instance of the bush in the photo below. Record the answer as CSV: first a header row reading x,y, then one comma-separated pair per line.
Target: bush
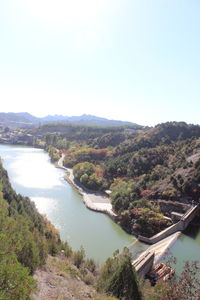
x,y
79,257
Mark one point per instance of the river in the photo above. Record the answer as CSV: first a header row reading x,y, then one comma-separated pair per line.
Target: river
x,y
32,174
187,247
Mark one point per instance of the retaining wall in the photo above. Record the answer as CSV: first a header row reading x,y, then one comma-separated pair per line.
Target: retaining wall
x,y
179,226
144,264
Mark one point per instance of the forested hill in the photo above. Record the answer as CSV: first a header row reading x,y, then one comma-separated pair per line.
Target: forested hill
x,y
145,170
87,134
162,160
26,238
139,166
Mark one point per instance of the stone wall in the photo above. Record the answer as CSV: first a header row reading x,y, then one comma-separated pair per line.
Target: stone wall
x,y
153,254
144,264
179,226
167,207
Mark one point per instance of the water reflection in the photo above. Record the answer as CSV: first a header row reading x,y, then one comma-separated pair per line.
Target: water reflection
x,y
28,175
192,232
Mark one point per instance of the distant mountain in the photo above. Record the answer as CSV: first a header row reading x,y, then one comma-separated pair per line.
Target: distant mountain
x,y
17,117
85,120
25,119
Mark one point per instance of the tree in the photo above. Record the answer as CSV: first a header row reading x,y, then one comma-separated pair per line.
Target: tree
x,y
90,176
118,277
15,281
79,257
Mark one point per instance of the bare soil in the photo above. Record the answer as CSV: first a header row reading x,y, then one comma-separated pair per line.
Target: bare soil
x,y
59,280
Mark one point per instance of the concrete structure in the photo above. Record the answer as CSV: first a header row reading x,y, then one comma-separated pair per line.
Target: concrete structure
x,y
144,263
153,255
169,206
179,226
162,242
176,217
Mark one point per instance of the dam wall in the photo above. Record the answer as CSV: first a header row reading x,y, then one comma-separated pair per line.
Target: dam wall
x,y
153,254
144,263
179,226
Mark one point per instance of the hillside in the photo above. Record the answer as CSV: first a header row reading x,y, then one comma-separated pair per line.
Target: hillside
x,y
14,120
26,239
140,168
160,162
36,264
150,172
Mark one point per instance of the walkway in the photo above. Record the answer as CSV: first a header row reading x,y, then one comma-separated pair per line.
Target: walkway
x,y
93,200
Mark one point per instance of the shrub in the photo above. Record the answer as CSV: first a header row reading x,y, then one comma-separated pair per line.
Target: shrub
x,y
79,257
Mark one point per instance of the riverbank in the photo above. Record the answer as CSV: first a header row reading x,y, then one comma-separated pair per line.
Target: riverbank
x,y
149,257
92,200
33,175
99,203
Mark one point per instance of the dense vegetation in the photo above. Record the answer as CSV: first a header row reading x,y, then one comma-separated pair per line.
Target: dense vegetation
x,y
118,277
90,176
135,164
26,238
138,166
54,132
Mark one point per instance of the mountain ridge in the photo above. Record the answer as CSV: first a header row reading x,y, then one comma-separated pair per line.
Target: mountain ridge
x,y
25,119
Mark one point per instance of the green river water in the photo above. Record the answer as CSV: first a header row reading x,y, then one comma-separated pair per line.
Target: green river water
x,y
32,174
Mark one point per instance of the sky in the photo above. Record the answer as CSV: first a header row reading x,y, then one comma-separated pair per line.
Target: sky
x,y
133,60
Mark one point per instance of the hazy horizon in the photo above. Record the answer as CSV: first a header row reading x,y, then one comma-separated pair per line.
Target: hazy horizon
x,y
98,116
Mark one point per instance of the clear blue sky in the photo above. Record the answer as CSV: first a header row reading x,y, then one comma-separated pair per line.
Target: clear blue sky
x,y
135,60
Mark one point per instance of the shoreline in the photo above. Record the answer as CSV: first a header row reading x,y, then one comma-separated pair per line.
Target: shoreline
x,y
91,205
92,200
159,249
